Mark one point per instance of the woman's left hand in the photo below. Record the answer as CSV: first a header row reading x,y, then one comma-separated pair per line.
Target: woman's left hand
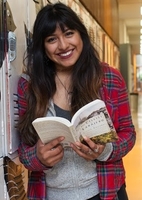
x,y
90,152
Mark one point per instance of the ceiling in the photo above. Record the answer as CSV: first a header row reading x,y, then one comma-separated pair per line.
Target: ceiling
x,y
129,11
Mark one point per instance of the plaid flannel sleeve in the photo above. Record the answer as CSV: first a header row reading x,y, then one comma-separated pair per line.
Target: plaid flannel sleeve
x,y
27,154
116,95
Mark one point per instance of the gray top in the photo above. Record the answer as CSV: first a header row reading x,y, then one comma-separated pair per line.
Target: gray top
x,y
62,113
73,177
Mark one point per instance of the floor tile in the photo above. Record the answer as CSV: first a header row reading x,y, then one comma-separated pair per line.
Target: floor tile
x,y
133,161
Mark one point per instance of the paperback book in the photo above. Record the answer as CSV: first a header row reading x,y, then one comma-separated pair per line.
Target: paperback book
x,y
92,120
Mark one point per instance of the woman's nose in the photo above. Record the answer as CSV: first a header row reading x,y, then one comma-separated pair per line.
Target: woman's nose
x,y
63,43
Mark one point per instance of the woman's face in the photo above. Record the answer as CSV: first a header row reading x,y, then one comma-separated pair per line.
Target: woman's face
x,y
64,48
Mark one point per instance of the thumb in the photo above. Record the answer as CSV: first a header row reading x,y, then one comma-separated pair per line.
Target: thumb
x,y
40,143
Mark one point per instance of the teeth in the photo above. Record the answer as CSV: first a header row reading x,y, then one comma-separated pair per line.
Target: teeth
x,y
66,54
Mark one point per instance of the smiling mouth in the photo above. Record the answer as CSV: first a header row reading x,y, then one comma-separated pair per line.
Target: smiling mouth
x,y
66,54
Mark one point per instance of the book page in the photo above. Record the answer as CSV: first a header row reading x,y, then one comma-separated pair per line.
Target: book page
x,y
93,120
50,129
86,110
94,125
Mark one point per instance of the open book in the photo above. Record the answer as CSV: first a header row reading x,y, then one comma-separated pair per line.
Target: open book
x,y
92,120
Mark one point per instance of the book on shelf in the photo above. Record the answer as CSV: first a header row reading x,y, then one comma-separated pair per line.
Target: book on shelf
x,y
92,120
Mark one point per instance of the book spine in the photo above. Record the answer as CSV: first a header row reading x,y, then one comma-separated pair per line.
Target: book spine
x,y
74,133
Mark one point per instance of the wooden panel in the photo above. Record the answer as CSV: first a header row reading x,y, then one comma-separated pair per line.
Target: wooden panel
x,y
107,22
115,21
129,1
106,14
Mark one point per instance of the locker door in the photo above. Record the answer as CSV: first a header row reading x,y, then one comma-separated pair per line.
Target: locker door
x,y
3,51
3,190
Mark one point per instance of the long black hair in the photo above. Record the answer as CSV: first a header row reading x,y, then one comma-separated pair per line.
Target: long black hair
x,y
87,72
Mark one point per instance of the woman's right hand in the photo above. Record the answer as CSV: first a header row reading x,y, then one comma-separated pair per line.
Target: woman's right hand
x,y
51,153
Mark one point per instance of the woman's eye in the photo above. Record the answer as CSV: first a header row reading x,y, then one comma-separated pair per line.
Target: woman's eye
x,y
51,39
69,33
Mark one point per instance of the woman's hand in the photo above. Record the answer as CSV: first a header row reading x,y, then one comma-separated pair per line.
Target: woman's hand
x,y
51,153
90,152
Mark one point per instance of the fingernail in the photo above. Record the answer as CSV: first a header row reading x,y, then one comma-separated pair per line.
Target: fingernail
x,y
71,145
77,143
85,137
62,138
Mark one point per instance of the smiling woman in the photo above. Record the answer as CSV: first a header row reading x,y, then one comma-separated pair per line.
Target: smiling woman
x,y
64,73
63,47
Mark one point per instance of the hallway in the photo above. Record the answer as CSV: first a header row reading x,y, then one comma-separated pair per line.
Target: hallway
x,y
133,161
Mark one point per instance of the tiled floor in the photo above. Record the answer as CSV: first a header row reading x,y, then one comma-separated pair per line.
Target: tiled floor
x,y
133,161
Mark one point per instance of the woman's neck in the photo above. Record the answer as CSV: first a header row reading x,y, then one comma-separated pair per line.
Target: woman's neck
x,y
63,94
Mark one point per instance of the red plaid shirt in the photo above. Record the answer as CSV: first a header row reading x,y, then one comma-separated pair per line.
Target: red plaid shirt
x,y
111,173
